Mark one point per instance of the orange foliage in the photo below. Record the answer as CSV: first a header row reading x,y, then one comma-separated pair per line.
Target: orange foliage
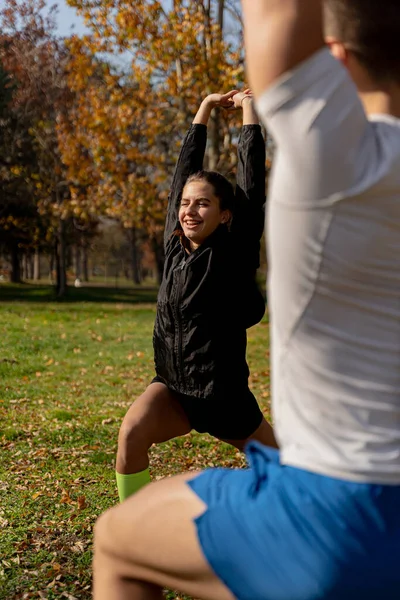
x,y
120,140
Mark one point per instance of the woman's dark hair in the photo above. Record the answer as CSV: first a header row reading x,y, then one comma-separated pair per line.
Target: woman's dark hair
x,y
371,29
223,189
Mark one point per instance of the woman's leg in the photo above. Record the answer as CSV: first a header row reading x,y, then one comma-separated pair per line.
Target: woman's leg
x,y
263,434
150,542
155,417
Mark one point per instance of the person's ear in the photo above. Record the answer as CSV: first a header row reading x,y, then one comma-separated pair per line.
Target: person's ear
x,y
226,219
226,216
338,50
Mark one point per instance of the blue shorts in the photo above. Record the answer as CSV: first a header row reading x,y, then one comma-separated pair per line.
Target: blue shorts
x,y
273,532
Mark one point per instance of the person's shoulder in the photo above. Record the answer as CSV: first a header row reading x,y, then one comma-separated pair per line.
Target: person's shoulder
x,y
311,80
173,242
386,130
389,125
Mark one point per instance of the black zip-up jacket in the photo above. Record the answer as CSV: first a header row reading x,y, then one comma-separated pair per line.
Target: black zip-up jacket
x,y
207,299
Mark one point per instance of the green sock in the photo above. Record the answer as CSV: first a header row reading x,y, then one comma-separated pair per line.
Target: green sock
x,y
130,484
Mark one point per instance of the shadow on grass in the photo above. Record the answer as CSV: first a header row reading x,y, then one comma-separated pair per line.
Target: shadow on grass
x,y
45,293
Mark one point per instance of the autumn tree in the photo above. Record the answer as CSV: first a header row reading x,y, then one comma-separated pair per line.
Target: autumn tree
x,y
17,208
5,90
35,59
128,122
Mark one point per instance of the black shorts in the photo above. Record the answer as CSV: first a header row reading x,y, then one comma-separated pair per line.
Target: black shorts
x,y
228,418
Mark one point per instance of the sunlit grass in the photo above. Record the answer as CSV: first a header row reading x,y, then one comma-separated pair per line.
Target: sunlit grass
x,y
68,372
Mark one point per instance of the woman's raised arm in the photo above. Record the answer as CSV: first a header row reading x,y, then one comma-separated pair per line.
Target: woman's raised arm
x,y
248,219
191,156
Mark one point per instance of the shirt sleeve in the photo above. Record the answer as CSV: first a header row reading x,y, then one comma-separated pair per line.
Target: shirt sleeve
x,y
248,215
326,147
190,161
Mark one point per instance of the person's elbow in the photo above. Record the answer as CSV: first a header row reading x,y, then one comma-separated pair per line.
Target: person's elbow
x,y
279,35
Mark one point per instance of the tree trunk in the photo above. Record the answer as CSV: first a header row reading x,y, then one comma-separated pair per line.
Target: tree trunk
x,y
85,263
221,11
135,256
52,261
78,262
214,136
158,249
61,260
36,265
215,142
29,265
15,275
24,274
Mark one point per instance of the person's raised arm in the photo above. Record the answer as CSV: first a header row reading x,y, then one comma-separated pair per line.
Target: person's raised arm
x,y
279,35
308,102
248,219
191,156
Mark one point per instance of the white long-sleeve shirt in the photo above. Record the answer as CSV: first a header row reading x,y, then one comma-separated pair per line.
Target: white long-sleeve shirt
x,y
334,280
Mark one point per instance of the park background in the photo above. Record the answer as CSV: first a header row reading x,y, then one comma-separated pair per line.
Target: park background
x,y
91,122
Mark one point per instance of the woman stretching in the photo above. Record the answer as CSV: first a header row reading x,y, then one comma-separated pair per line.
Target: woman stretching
x,y
207,300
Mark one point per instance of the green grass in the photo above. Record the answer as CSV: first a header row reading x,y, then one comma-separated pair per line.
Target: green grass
x,y
68,372
25,292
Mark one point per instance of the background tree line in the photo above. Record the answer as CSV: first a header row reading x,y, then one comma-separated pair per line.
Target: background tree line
x,y
91,125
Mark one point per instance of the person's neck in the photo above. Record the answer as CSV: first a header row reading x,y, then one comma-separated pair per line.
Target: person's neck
x,y
381,98
193,246
381,102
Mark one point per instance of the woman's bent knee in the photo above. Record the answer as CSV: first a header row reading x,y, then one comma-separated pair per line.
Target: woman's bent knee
x,y
134,436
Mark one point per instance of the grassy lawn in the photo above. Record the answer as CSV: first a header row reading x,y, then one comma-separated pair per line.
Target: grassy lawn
x,y
68,372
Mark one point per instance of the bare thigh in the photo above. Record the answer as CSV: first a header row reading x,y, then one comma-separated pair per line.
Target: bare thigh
x,y
152,538
155,417
263,434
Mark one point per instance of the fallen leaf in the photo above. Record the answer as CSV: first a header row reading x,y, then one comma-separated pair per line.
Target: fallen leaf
x,y
3,522
65,498
78,547
82,503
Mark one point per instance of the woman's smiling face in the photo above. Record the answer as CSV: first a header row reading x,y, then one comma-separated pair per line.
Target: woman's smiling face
x,y
200,213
